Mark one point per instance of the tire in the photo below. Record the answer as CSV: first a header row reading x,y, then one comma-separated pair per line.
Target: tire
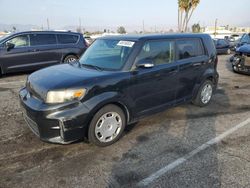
x,y
109,120
70,59
200,99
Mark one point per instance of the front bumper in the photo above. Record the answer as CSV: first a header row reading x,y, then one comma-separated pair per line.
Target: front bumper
x,y
240,67
59,123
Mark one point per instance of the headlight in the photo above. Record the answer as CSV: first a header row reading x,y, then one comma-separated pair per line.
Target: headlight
x,y
65,95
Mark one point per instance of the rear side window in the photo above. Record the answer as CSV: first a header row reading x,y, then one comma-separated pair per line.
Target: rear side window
x,y
188,48
161,52
42,39
67,39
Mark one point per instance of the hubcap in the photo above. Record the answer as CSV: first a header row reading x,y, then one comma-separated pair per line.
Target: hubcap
x,y
206,93
108,127
71,59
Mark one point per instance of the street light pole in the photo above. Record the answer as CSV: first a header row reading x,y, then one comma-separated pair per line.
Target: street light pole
x,y
215,27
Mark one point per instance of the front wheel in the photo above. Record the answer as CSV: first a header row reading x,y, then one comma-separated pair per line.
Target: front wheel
x,y
204,94
107,126
70,59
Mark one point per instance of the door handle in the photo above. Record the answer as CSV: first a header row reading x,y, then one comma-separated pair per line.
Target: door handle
x,y
196,64
172,71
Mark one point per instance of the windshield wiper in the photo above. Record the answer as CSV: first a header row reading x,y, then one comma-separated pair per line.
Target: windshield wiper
x,y
92,66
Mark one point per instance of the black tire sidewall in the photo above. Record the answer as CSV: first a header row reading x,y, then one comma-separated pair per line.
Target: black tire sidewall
x,y
67,57
91,131
198,100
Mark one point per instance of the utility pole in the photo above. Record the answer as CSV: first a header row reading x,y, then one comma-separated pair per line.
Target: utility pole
x,y
143,27
215,27
48,23
80,25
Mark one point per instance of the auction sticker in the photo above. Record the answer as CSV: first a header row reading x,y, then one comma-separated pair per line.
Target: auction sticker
x,y
126,43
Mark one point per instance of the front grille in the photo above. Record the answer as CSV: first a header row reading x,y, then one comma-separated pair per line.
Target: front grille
x,y
32,125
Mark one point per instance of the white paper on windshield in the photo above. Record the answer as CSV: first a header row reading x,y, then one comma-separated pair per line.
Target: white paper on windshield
x,y
126,43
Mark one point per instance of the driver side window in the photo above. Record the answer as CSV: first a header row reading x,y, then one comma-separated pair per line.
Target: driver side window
x,y
19,41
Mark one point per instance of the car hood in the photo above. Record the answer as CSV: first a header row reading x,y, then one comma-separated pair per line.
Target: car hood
x,y
60,77
244,49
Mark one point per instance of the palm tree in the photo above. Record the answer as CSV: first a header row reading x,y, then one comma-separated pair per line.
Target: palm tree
x,y
186,8
182,6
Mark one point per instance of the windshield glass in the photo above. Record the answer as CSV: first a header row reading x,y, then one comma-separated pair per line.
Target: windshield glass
x,y
3,37
107,54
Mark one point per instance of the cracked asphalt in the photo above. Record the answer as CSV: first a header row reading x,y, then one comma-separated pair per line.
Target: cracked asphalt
x,y
146,147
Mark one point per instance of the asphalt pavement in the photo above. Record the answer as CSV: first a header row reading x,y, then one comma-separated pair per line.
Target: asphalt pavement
x,y
185,146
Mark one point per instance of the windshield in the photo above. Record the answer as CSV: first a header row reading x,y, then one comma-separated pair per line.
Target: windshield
x,y
107,54
3,37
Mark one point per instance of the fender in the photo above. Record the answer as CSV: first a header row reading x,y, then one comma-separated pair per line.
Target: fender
x,y
209,74
113,97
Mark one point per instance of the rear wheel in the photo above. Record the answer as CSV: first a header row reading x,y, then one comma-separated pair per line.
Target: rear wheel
x,y
107,126
204,94
70,59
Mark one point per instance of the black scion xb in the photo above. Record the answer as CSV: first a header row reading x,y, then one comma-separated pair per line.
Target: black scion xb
x,y
117,81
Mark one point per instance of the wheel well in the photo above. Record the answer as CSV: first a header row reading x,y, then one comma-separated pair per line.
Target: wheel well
x,y
120,105
211,78
69,55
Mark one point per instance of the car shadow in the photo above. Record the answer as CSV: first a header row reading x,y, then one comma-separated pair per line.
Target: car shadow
x,y
173,134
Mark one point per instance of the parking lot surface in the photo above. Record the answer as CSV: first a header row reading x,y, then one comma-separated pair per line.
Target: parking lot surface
x,y
186,146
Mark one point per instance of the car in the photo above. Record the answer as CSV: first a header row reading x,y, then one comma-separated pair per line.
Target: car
x,y
33,50
234,41
241,61
117,81
222,46
245,39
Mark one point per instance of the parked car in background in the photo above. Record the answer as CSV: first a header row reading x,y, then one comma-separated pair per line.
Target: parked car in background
x,y
89,40
245,39
241,61
118,80
222,46
37,49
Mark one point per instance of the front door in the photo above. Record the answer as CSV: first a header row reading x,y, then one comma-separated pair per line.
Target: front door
x,y
17,58
156,86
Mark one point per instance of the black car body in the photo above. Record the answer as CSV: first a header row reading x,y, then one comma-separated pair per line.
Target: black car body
x,y
158,72
241,60
222,46
37,49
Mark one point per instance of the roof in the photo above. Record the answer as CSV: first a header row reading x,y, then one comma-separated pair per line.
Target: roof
x,y
55,32
154,36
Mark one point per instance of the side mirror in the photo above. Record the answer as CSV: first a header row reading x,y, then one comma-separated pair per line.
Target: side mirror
x,y
9,46
145,63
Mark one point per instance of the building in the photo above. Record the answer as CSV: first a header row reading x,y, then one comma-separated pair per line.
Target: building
x,y
225,31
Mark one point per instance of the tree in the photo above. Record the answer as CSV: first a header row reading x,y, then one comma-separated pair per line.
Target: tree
x,y
196,28
121,30
185,12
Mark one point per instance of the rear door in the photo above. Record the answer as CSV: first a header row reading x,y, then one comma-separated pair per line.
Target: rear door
x,y
45,50
192,61
155,87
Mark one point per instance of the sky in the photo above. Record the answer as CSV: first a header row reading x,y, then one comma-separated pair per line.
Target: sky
x,y
159,14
